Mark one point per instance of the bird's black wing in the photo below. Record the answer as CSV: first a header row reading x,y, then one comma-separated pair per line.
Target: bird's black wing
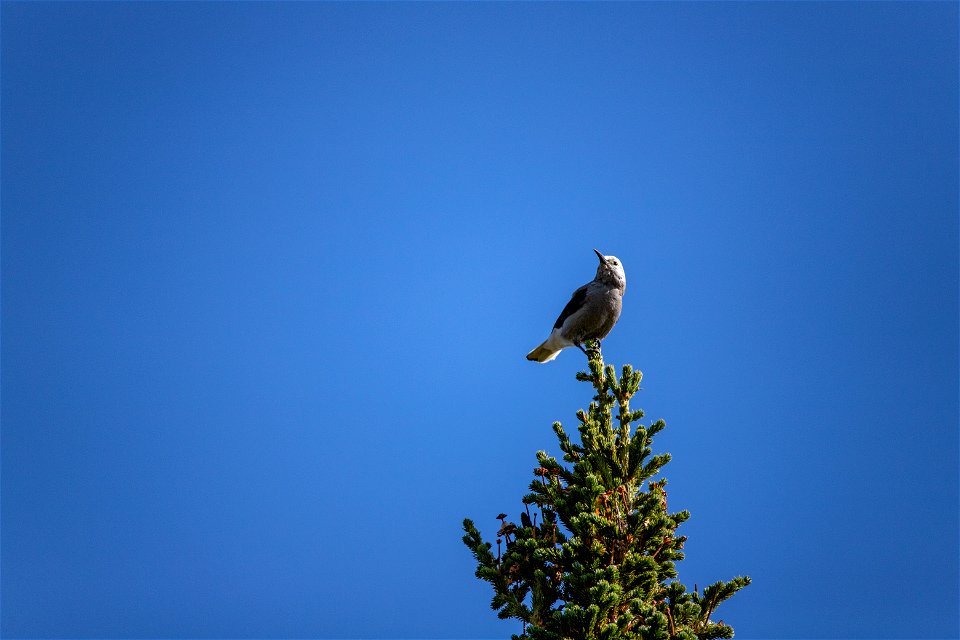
x,y
579,296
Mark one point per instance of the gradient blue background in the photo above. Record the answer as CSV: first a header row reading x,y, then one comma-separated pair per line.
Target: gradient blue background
x,y
270,272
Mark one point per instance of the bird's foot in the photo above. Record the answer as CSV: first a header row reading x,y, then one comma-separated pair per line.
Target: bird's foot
x,y
593,349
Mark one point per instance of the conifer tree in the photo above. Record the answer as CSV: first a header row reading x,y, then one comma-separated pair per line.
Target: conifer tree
x,y
593,554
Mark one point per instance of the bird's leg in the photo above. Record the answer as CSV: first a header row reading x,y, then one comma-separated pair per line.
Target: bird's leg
x,y
577,344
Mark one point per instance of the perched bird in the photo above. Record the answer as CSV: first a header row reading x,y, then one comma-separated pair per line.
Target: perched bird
x,y
590,314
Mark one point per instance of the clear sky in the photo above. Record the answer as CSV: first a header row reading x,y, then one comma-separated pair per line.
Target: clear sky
x,y
270,271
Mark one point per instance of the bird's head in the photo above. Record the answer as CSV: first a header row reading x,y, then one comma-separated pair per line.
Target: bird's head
x,y
611,272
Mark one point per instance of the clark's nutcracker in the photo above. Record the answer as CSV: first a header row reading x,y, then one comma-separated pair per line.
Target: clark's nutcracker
x,y
590,314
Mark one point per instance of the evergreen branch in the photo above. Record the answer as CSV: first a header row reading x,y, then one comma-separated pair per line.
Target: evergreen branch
x,y
716,593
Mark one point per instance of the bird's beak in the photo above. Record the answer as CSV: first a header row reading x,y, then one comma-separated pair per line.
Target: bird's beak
x,y
599,255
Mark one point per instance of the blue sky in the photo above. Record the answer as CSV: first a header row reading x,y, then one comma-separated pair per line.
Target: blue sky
x,y
270,271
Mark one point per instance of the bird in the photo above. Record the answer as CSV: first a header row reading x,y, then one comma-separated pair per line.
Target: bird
x,y
591,313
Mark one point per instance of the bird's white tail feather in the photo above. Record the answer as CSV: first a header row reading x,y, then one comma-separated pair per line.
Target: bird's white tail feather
x,y
550,348
543,353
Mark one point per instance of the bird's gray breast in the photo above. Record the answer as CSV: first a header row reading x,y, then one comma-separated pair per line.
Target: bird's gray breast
x,y
599,311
